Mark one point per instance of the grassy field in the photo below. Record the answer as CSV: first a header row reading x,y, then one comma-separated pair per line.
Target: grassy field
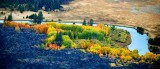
x,y
143,13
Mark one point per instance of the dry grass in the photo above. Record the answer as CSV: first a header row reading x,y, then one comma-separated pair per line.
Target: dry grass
x,y
106,11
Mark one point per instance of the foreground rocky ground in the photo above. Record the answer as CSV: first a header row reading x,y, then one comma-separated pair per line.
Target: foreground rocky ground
x,y
18,50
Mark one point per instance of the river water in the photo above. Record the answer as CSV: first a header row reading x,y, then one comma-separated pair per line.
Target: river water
x,y
138,41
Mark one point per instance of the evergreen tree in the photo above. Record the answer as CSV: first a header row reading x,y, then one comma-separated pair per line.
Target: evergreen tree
x,y
27,16
40,17
113,27
33,5
57,4
21,8
10,17
5,19
84,22
91,22
59,39
35,18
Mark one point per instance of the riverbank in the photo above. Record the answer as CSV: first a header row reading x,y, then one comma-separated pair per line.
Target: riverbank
x,y
20,50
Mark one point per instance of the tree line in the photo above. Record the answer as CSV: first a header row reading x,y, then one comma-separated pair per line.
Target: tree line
x,y
36,18
32,5
90,22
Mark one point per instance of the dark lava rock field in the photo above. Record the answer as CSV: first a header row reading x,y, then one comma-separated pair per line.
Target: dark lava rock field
x,y
18,51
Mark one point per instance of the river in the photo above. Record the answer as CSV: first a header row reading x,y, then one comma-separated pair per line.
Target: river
x,y
138,41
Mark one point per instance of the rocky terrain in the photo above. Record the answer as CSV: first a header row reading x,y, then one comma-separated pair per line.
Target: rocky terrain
x,y
21,50
18,50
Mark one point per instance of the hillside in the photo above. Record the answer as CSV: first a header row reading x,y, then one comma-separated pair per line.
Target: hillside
x,y
144,13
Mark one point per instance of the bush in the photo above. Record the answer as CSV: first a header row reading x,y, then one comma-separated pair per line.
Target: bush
x,y
73,28
91,34
17,28
119,35
15,24
41,28
67,41
96,48
106,50
53,46
10,24
83,44
23,25
51,30
126,58
50,39
140,30
154,41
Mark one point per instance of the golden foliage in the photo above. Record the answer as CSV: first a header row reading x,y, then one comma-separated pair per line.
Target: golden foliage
x,y
10,24
15,24
41,28
95,49
17,28
126,58
51,30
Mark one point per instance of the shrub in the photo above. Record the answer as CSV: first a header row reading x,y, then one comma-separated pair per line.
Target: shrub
x,y
67,41
135,54
50,30
74,28
113,28
83,44
106,50
10,24
50,39
41,28
140,30
53,46
154,41
150,57
91,34
95,49
126,58
119,35
17,28
23,25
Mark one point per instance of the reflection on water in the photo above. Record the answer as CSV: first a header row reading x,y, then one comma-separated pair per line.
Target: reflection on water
x,y
139,41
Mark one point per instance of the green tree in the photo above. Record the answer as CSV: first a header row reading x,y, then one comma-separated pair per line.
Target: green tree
x,y
27,16
40,17
84,22
5,19
59,39
21,8
113,28
35,18
57,4
91,22
10,17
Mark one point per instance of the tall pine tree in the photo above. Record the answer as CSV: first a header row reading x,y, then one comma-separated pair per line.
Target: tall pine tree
x,y
10,17
59,39
91,22
84,22
40,17
5,19
35,18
